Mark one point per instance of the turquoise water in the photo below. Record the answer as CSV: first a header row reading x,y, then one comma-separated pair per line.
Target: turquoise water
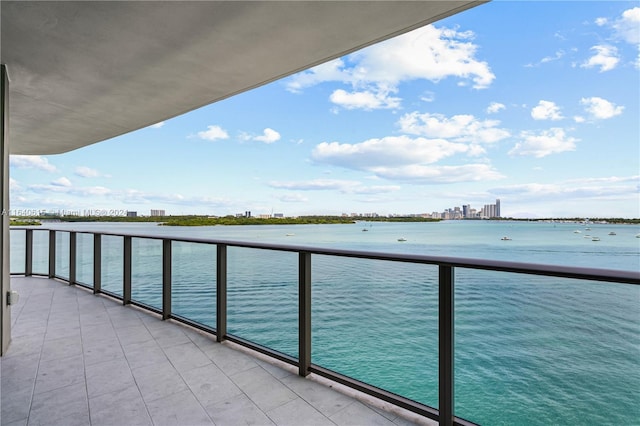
x,y
529,350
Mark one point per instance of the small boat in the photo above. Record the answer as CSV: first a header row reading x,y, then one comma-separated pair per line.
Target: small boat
x,y
365,230
587,229
595,239
402,239
577,232
505,239
612,233
637,235
289,235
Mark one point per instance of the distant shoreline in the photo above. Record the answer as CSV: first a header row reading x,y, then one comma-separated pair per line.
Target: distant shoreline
x,y
194,220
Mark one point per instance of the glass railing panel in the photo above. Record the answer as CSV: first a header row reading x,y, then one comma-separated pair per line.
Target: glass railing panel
x,y
40,252
262,297
17,250
146,271
84,258
62,254
549,350
377,322
193,282
112,263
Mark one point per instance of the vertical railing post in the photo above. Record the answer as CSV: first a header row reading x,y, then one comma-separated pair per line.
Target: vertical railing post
x,y
166,279
72,258
52,253
304,313
126,271
97,263
28,255
221,292
445,345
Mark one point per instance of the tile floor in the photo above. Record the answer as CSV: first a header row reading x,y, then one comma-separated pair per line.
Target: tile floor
x,y
81,359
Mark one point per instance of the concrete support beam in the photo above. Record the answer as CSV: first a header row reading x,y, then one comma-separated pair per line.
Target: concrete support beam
x,y
5,311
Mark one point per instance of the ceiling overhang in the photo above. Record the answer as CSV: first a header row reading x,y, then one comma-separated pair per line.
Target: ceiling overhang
x,y
82,72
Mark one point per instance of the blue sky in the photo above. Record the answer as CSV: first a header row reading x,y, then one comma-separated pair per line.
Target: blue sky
x,y
535,103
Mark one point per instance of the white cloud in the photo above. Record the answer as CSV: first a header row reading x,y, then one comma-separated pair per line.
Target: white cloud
x,y
213,133
63,181
292,198
440,174
495,107
627,26
601,21
316,185
428,53
579,119
589,188
546,110
606,58
601,108
31,162
459,128
558,55
268,136
344,186
13,185
366,100
388,151
545,143
157,125
86,172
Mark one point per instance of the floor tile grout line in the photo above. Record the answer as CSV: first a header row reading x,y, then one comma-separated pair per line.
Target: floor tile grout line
x,y
178,371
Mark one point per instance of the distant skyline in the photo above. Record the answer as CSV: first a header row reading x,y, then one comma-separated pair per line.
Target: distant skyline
x,y
479,106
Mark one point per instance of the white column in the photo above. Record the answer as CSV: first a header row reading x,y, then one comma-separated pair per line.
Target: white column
x,y
5,311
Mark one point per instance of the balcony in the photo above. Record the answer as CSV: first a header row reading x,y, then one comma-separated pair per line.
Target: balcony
x,y
78,359
138,348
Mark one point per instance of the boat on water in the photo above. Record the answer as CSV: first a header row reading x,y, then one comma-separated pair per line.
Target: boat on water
x,y
577,231
595,239
365,230
402,239
612,233
505,238
289,235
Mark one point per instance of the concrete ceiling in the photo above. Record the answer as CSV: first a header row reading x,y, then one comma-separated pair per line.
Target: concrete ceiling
x,y
82,72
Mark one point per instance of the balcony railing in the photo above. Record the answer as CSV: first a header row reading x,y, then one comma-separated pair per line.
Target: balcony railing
x,y
67,267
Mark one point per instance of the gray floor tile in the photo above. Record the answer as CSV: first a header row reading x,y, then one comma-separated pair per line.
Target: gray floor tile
x,y
169,335
61,348
323,398
144,354
230,361
178,409
158,381
101,350
296,413
15,404
186,356
52,407
124,407
357,414
59,373
239,410
210,385
265,391
108,376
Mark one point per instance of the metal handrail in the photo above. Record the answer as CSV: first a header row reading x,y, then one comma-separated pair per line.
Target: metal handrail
x,y
446,284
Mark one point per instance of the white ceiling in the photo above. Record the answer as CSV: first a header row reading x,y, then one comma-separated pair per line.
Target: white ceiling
x,y
82,72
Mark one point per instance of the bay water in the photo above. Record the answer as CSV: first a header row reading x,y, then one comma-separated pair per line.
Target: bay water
x,y
529,350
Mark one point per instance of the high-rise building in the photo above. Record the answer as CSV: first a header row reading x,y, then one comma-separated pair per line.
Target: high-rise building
x,y
157,212
498,207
